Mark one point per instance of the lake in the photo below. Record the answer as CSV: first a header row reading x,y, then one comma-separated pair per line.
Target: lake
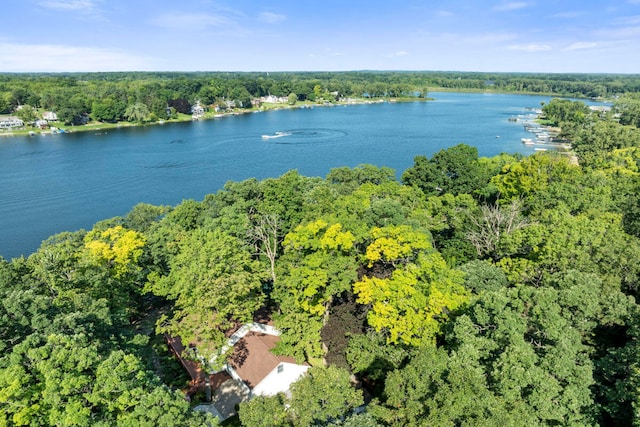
x,y
64,182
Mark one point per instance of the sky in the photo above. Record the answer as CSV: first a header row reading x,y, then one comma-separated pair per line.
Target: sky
x,y
550,36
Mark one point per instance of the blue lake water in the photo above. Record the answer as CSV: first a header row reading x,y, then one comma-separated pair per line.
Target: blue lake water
x,y
65,182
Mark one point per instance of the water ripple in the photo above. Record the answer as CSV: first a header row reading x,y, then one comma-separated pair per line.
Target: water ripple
x,y
308,136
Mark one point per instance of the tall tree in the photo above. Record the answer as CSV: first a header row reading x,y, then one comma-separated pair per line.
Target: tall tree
x,y
453,170
323,395
414,293
319,265
215,284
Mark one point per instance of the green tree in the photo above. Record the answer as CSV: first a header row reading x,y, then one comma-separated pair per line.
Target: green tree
x,y
369,356
324,267
515,357
241,96
595,141
561,111
108,110
137,112
411,299
533,175
264,411
455,170
72,108
323,395
437,389
629,109
27,114
214,283
592,242
318,265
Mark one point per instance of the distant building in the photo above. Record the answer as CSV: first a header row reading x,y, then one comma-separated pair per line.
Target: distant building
x,y
197,110
50,116
271,99
41,124
600,109
10,122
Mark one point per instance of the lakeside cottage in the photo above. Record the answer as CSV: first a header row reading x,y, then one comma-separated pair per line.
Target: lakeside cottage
x,y
10,122
41,124
275,99
197,111
50,116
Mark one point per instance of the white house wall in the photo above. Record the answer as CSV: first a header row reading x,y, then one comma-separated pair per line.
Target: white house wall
x,y
276,382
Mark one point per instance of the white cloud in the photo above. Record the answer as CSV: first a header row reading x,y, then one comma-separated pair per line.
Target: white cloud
x,y
532,47
330,52
568,15
16,57
191,21
488,38
271,18
505,7
629,20
581,45
619,33
78,5
401,53
444,13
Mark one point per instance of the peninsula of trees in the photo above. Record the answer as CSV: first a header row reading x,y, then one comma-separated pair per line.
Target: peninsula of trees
x,y
474,291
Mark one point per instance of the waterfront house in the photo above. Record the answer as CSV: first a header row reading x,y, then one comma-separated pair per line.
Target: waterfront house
x,y
197,111
10,122
41,124
50,116
272,99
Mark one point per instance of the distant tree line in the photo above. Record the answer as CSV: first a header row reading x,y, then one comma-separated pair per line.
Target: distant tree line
x,y
152,96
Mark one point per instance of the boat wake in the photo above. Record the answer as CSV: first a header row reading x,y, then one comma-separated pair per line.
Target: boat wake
x,y
305,136
276,135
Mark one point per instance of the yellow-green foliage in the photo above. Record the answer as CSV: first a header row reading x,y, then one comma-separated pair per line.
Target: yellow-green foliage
x,y
532,175
410,305
309,237
396,243
115,247
334,238
320,250
624,161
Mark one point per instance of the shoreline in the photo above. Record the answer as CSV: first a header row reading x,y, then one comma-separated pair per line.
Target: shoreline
x,y
184,118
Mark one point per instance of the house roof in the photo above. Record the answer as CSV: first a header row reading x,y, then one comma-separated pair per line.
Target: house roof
x,y
252,358
195,370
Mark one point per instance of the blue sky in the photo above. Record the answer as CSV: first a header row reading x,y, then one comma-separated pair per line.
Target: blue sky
x,y
328,35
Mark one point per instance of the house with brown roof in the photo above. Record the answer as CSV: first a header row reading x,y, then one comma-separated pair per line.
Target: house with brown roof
x,y
263,373
254,369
